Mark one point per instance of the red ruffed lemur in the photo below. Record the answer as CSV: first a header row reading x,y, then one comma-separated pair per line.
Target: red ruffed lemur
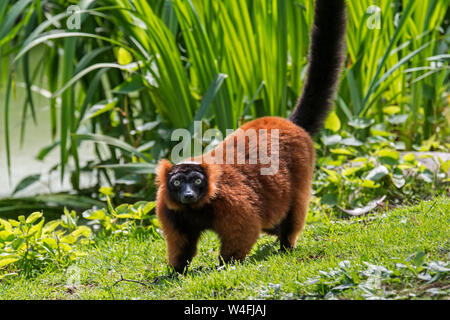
x,y
234,199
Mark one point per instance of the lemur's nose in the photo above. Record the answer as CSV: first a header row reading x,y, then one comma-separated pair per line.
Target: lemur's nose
x,y
188,196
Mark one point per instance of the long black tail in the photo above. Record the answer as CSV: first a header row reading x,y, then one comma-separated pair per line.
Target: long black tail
x,y
325,61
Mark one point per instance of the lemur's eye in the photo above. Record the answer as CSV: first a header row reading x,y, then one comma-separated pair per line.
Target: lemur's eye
x,y
198,181
176,183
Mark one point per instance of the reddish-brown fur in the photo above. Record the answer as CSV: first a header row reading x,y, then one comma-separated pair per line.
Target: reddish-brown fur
x,y
243,202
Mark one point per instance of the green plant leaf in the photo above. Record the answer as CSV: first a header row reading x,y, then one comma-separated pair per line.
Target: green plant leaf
x,y
5,261
137,168
329,199
50,226
209,96
332,122
366,209
51,243
33,217
149,207
100,108
7,225
351,142
17,243
46,150
11,17
409,157
98,138
370,184
342,151
377,173
398,180
418,259
94,214
58,34
36,230
133,84
124,57
6,235
397,119
83,231
361,123
332,140
65,247
388,156
350,171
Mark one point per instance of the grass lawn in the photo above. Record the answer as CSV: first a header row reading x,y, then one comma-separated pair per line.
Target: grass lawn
x,y
400,254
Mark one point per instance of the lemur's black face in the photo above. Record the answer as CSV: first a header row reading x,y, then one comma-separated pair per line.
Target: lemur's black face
x,y
187,183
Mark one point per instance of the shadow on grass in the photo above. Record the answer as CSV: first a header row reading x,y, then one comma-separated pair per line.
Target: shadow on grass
x,y
261,253
266,250
170,276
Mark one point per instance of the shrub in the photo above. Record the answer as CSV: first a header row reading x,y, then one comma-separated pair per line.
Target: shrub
x,y
28,244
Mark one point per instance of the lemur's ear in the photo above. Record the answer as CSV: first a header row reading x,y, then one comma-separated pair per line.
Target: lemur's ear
x,y
161,177
162,169
213,172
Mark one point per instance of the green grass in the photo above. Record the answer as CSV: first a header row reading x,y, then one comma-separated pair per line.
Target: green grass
x,y
406,241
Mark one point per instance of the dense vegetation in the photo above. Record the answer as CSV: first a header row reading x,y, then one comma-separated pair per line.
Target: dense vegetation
x,y
123,75
112,69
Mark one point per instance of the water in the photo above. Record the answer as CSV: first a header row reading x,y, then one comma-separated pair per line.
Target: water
x,y
37,136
